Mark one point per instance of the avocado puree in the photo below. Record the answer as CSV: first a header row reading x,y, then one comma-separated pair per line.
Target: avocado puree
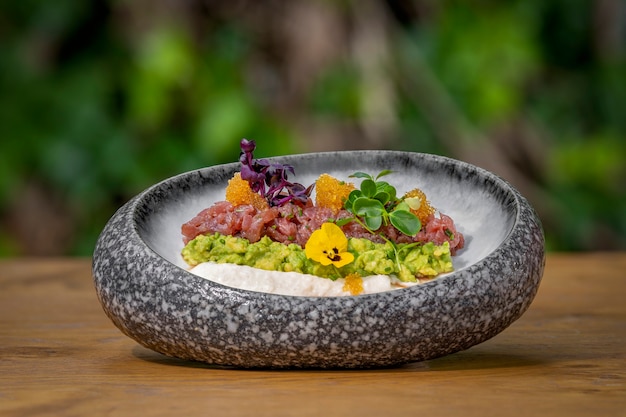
x,y
423,260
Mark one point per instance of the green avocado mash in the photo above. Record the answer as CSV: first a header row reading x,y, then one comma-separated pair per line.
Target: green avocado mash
x,y
421,260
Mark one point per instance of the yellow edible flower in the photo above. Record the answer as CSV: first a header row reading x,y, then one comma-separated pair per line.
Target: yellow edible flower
x,y
329,245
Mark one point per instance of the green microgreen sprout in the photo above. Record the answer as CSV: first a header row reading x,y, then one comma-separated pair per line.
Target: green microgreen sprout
x,y
375,204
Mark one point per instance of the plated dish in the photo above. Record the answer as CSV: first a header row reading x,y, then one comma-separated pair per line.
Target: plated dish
x,y
146,289
333,237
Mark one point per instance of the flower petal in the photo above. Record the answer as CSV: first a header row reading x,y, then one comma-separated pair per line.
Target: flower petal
x,y
316,245
328,245
344,259
336,236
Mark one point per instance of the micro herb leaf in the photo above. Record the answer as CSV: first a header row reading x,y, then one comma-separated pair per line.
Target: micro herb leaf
x,y
368,207
383,186
354,194
403,206
383,197
344,221
373,223
405,221
368,188
372,211
361,175
383,173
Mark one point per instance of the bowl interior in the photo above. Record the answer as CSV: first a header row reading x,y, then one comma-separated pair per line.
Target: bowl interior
x,y
482,205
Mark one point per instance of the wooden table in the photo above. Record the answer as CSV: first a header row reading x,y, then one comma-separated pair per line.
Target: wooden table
x,y
61,356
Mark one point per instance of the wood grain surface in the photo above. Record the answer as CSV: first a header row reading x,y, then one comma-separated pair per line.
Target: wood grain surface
x,y
61,356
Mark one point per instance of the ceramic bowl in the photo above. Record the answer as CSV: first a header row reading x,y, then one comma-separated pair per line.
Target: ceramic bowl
x,y
145,289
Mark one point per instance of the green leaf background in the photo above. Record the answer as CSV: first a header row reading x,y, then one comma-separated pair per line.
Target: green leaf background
x,y
101,99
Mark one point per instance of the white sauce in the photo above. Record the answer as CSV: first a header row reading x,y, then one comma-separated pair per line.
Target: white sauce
x,y
289,283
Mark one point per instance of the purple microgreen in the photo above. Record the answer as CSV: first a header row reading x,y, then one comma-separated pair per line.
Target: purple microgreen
x,y
270,180
247,146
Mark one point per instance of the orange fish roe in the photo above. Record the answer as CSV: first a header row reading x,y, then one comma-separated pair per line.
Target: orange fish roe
x,y
353,284
425,209
331,193
238,192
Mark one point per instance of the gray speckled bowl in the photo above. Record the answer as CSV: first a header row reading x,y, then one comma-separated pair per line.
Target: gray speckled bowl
x,y
145,290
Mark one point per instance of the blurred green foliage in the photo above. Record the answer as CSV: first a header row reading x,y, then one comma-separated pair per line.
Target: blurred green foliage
x,y
96,106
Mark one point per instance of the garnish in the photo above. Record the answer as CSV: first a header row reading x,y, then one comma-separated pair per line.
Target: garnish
x,y
239,192
353,284
270,180
419,205
329,245
331,192
384,237
375,204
